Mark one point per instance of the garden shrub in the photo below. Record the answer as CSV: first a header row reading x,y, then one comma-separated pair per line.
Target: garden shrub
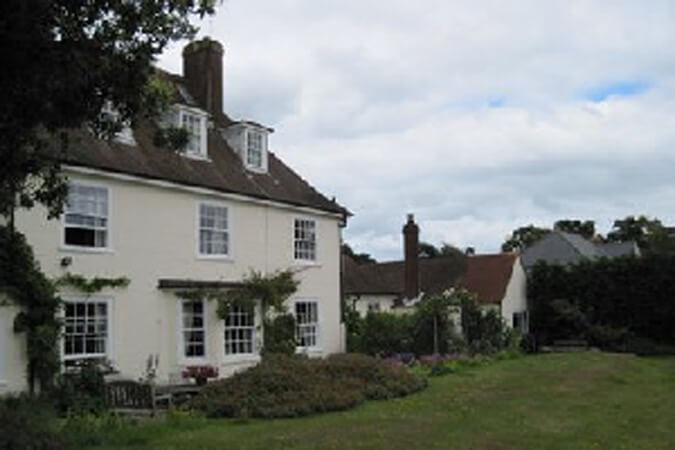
x,y
279,335
28,424
282,386
80,389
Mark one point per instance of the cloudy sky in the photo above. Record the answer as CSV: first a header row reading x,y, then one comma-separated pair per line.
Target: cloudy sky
x,y
477,116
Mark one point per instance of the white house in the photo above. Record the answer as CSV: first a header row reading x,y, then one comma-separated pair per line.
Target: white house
x,y
498,280
175,222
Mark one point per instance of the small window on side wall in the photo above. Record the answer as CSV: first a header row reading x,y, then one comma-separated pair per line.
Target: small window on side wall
x,y
86,216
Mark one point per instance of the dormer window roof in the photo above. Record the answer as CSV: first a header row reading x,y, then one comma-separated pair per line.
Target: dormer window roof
x,y
250,141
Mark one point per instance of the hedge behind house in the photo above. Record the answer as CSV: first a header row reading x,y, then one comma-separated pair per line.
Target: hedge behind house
x,y
607,302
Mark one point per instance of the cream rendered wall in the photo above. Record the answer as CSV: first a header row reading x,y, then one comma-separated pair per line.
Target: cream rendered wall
x,y
153,235
515,298
12,352
361,303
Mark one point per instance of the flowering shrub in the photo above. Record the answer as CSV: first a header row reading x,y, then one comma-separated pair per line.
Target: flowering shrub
x,y
200,373
283,386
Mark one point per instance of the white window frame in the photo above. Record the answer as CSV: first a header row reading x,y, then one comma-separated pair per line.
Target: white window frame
x,y
307,261
182,356
219,256
250,132
316,325
109,327
81,248
254,335
203,137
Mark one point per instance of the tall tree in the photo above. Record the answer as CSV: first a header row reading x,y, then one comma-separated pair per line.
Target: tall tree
x,y
428,250
649,234
585,228
359,258
524,237
62,61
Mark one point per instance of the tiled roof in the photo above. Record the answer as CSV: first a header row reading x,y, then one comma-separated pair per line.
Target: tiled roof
x,y
223,172
485,275
488,276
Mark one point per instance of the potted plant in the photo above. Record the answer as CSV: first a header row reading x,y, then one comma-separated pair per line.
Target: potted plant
x,y
200,374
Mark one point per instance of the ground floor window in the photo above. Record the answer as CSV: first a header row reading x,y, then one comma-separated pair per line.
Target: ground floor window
x,y
86,328
374,306
307,323
520,321
240,330
194,328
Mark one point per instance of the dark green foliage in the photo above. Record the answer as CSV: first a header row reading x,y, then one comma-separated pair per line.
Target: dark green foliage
x,y
585,228
65,59
279,333
485,332
80,389
606,301
428,250
523,237
91,286
23,282
386,333
29,424
359,258
284,386
174,139
650,234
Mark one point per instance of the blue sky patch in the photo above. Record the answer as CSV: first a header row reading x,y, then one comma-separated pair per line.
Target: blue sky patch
x,y
616,88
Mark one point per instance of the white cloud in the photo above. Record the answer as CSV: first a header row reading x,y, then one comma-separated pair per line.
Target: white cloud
x,y
387,105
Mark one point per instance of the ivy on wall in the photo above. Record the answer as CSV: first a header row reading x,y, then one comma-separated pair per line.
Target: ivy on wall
x,y
24,283
90,286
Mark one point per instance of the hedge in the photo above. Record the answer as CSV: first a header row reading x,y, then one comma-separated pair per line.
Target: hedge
x,y
617,299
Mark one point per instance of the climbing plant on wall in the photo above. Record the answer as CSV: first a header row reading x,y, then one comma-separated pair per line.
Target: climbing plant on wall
x,y
268,291
90,285
26,286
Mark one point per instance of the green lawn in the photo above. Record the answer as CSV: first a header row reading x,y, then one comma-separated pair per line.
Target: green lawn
x,y
558,401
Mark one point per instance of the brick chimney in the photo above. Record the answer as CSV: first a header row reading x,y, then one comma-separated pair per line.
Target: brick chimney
x,y
411,248
203,72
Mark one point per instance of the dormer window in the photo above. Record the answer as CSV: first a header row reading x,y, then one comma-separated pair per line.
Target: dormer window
x,y
249,141
126,134
254,149
194,121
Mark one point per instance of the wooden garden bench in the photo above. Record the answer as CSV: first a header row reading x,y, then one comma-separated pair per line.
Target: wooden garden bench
x,y
133,397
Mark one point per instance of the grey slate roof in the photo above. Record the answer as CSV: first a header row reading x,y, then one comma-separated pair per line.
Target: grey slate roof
x,y
559,247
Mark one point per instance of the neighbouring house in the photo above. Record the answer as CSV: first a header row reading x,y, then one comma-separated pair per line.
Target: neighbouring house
x,y
498,280
180,222
559,247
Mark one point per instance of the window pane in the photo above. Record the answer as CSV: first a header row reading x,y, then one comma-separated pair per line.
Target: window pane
x,y
86,328
239,331
304,239
86,216
213,230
